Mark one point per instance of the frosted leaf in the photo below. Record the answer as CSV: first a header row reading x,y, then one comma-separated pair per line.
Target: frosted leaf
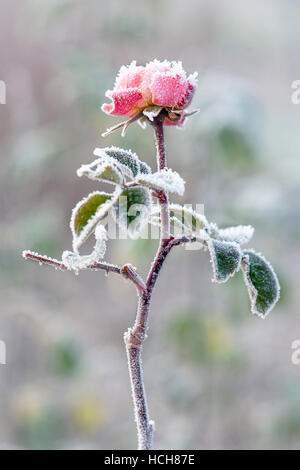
x,y
213,230
126,160
144,168
100,233
240,234
152,112
261,281
225,258
174,222
88,212
193,221
132,210
166,179
75,262
102,169
183,221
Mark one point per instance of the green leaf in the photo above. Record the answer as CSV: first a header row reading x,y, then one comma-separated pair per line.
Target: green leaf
x,y
126,160
225,258
88,212
261,281
132,210
102,170
144,168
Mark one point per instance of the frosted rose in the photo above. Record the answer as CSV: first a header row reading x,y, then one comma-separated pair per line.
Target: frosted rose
x,y
158,84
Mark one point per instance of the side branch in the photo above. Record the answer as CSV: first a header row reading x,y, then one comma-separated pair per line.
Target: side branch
x,y
127,270
60,265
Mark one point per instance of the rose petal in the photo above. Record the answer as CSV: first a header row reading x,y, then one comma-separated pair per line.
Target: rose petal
x,y
124,102
129,77
187,98
168,89
158,84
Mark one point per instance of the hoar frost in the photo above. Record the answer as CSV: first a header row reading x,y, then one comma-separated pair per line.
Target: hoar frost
x,y
166,179
240,234
74,261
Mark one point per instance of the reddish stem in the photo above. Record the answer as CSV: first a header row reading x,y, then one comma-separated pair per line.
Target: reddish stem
x,y
136,335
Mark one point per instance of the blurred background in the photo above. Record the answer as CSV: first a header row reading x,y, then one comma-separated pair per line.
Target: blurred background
x,y
217,377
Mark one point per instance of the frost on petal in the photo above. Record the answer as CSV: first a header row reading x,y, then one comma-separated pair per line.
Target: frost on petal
x,y
193,79
88,212
261,281
159,83
129,76
168,89
158,66
124,102
190,91
240,234
226,259
166,179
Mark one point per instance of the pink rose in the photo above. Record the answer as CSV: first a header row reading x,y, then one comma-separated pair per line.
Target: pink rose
x,y
159,84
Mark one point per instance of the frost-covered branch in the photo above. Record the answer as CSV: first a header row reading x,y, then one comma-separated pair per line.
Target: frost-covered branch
x,y
42,259
127,270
